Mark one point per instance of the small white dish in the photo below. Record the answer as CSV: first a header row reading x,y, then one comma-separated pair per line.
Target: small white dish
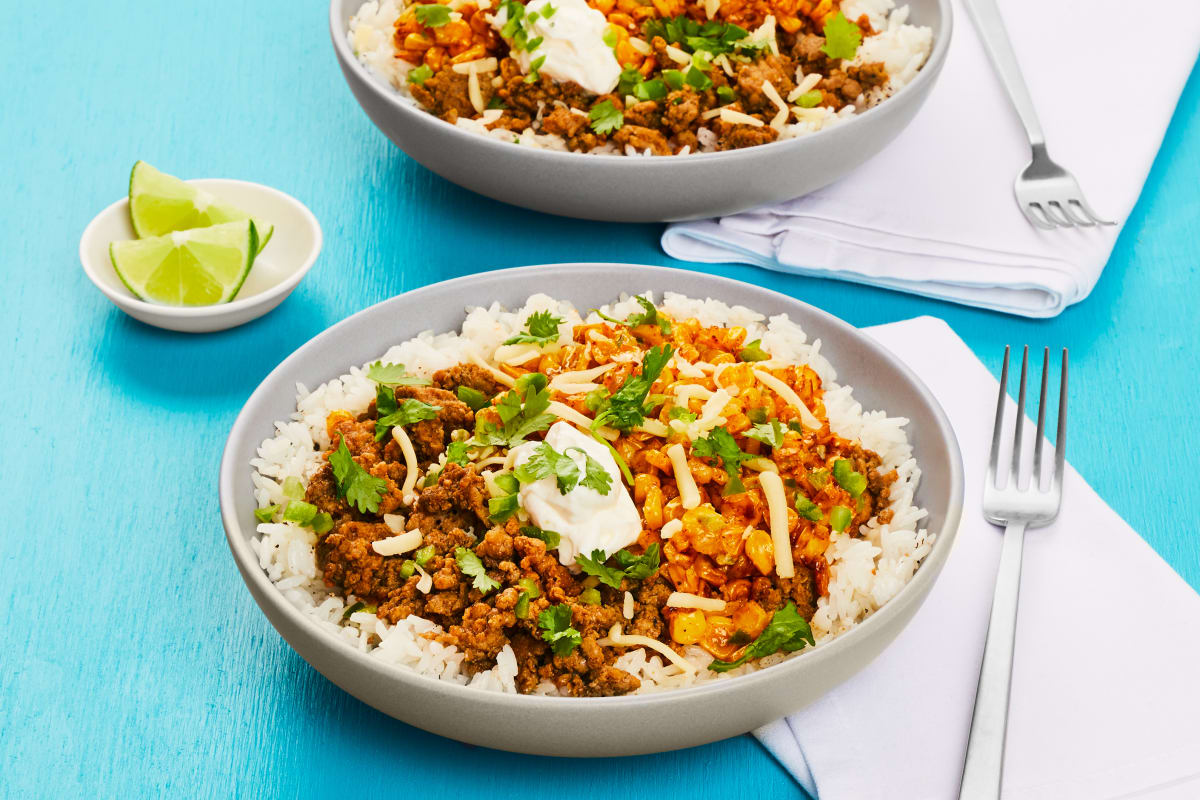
x,y
277,271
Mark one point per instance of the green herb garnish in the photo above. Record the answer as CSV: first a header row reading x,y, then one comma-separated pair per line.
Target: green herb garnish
x,y
358,487
636,568
818,478
474,398
810,99
787,631
681,413
504,506
697,79
522,607
551,538
393,414
522,412
604,117
753,352
648,316
546,461
839,518
555,623
842,37
266,514
770,433
393,375
433,16
541,329
808,509
419,75
470,565
719,444
293,488
627,407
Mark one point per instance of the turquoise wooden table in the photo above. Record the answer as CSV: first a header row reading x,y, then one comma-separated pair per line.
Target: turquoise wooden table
x,y
132,660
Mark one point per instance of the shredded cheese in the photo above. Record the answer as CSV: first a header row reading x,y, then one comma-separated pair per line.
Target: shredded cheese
x,y
711,7
686,368
564,411
575,388
711,113
772,486
654,427
807,418
473,90
582,375
479,65
410,461
689,493
640,45
677,55
686,391
627,608
395,522
426,581
722,61
395,545
615,637
688,600
772,94
670,528
517,353
710,414
738,118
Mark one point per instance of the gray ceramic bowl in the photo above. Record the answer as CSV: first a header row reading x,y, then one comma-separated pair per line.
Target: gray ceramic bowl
x,y
604,726
621,189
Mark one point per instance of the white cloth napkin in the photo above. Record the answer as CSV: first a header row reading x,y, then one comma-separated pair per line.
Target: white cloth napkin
x,y
934,214
1106,677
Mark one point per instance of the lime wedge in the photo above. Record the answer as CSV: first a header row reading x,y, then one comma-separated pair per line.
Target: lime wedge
x,y
199,267
160,204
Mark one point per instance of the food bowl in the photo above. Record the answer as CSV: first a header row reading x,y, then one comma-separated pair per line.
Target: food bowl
x,y
640,189
600,726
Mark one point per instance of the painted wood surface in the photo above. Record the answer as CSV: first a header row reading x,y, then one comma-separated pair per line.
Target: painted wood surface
x,y
132,660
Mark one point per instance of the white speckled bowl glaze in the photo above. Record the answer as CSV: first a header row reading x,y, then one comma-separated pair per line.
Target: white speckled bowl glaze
x,y
603,726
622,189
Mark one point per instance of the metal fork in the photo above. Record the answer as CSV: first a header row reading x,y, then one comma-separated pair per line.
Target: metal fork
x,y
1016,507
1047,194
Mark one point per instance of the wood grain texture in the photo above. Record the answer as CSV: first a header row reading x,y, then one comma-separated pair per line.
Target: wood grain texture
x,y
132,660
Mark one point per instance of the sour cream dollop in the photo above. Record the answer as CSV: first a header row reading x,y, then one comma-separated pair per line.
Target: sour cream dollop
x,y
584,519
572,42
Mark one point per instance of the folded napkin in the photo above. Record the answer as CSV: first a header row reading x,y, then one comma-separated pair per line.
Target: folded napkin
x,y
1106,677
934,214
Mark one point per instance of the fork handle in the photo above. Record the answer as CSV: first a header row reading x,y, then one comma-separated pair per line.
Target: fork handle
x,y
990,25
984,766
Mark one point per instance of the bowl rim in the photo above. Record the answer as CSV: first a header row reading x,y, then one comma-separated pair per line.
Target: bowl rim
x,y
124,298
927,74
242,442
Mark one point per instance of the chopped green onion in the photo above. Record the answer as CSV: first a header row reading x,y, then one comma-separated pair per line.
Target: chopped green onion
x,y
757,415
594,400
293,488
419,75
266,514
753,352
697,79
530,587
819,478
853,482
408,568
359,606
431,478
811,99
322,523
522,608
590,582
424,555
609,37
674,78
299,512
474,398
590,596
839,518
725,95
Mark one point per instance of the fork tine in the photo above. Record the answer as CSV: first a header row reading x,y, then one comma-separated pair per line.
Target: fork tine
x,y
1055,212
994,458
1041,426
1088,210
1019,428
1035,218
1060,446
1076,217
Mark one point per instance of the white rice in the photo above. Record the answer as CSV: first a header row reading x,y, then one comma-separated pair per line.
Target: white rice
x,y
864,572
903,49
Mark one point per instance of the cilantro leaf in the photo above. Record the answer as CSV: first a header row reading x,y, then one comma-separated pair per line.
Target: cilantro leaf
x,y
630,566
691,35
595,566
541,329
853,482
595,399
456,453
433,16
770,433
551,538
546,461
474,398
393,375
639,567
842,37
357,486
807,509
627,407
521,411
787,631
470,564
719,444
604,117
649,316
405,413
555,623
